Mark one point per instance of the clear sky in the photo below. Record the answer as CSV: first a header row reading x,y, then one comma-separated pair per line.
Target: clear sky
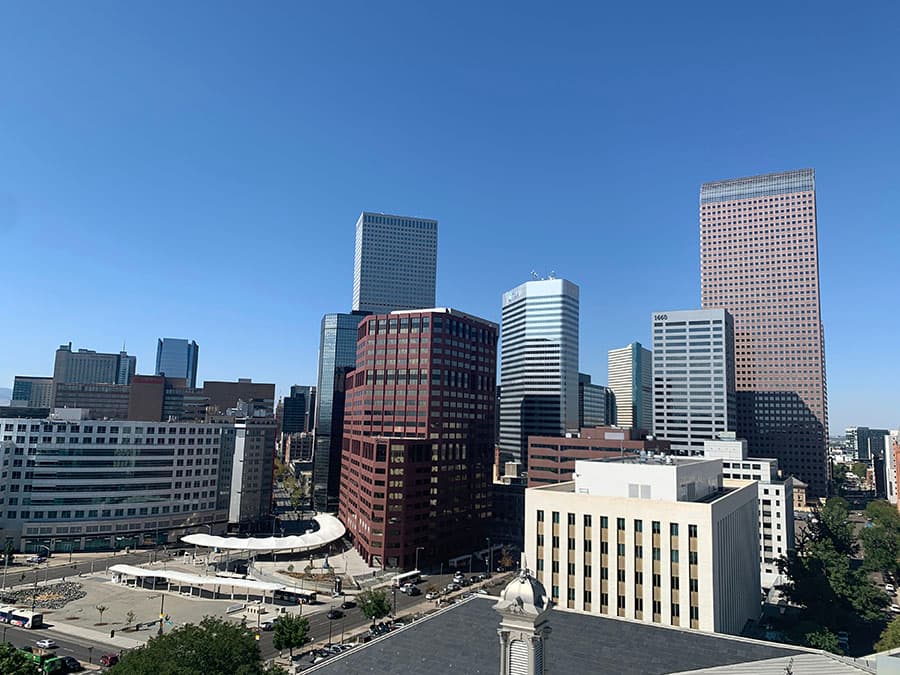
x,y
196,169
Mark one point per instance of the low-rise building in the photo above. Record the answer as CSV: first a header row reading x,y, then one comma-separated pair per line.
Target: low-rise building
x,y
661,540
551,459
776,499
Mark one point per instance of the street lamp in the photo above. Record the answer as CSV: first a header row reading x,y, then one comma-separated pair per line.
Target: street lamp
x,y
418,548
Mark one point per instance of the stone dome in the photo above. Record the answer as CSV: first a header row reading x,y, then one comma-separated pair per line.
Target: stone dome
x,y
523,595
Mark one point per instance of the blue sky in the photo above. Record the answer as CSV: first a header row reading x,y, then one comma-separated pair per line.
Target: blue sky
x,y
196,169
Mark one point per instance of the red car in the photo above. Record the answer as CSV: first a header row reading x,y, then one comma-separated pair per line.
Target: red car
x,y
109,660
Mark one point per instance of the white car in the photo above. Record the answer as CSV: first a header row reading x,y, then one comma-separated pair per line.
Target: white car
x,y
431,595
46,644
890,588
895,608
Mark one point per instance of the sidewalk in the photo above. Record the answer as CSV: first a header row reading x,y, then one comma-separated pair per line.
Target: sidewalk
x,y
119,641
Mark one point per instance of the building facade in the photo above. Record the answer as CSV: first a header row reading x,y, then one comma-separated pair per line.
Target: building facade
x,y
672,544
177,358
337,357
299,410
79,484
551,459
258,398
866,443
631,381
86,366
539,363
395,263
776,500
248,462
32,392
418,436
693,377
596,403
759,260
104,401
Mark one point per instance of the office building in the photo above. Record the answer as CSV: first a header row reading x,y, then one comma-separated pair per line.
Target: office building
x,y
891,462
539,364
104,401
247,459
759,260
631,381
866,443
299,410
32,392
775,497
89,367
419,417
664,541
337,357
252,399
177,358
395,264
80,484
551,459
596,403
693,377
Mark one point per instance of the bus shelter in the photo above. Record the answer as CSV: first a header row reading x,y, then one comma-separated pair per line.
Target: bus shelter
x,y
214,585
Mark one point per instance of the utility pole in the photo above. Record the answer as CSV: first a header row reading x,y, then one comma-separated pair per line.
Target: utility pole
x,y
162,613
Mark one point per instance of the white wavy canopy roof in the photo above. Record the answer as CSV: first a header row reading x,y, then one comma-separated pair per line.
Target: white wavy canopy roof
x,y
195,579
330,529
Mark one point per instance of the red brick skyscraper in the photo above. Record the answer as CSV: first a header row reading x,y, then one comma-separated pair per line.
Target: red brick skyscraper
x,y
418,444
759,260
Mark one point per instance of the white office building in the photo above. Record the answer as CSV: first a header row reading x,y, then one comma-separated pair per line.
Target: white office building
x,y
776,499
891,441
76,484
630,378
693,377
395,263
661,540
539,363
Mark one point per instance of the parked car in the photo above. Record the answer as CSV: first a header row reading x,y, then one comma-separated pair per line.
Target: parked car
x,y
267,625
412,591
348,604
432,595
334,614
36,559
483,576
109,660
72,665
46,644
452,587
895,608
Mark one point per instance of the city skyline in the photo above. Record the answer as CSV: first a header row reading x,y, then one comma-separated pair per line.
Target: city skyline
x,y
515,186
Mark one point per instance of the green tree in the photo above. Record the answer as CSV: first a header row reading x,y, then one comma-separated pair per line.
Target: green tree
x,y
881,512
8,552
101,609
14,662
129,618
890,637
212,647
374,604
859,468
823,639
881,547
290,631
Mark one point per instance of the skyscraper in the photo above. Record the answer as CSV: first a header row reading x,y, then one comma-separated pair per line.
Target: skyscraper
x,y
759,260
693,377
32,392
299,409
86,366
539,363
418,443
631,380
596,403
337,357
177,358
395,263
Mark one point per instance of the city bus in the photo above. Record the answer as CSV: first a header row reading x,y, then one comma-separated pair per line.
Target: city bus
x,y
48,664
231,575
296,596
23,618
413,577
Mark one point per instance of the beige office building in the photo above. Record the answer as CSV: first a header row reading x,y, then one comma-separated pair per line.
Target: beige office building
x,y
661,540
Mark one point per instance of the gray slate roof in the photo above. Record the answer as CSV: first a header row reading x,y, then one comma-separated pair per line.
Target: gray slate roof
x,y
463,639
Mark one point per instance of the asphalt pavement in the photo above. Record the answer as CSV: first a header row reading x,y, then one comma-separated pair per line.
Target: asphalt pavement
x,y
83,650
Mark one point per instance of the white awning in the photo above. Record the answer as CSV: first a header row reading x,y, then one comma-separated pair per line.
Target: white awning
x,y
330,529
195,579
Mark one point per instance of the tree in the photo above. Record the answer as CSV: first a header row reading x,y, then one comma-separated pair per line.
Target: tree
x,y
14,662
883,513
8,552
129,618
890,637
823,639
101,609
374,604
881,547
212,647
859,468
290,631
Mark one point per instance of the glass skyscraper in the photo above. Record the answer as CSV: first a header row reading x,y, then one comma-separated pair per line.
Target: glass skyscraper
x,y
759,260
177,358
539,363
631,380
337,357
395,263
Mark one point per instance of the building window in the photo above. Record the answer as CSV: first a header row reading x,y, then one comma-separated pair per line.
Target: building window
x,y
620,524
656,527
692,530
555,517
673,529
571,519
540,516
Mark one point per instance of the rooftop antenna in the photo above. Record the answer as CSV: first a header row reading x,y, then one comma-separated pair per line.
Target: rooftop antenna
x,y
552,274
534,275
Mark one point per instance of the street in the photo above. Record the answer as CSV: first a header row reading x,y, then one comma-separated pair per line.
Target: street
x,y
85,651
